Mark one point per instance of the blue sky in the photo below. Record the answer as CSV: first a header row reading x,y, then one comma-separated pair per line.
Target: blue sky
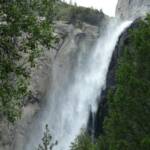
x,y
108,6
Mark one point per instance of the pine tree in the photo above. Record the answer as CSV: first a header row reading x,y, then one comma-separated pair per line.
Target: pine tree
x,y
47,141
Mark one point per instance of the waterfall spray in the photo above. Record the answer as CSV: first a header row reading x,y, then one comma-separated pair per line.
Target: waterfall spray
x,y
75,88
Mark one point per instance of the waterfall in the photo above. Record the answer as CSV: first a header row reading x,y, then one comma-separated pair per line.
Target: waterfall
x,y
77,82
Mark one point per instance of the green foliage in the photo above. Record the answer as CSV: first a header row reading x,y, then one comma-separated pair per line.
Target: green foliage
x,y
128,124
86,142
24,25
46,141
75,14
83,142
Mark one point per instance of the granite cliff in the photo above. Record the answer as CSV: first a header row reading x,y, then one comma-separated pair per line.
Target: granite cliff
x,y
130,9
70,39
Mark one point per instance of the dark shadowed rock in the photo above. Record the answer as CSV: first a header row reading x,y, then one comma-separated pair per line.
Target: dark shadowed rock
x,y
111,79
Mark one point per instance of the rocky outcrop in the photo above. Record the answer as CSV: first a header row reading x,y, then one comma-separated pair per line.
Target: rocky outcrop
x,y
131,9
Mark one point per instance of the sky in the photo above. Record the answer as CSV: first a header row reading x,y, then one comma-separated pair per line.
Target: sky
x,y
108,6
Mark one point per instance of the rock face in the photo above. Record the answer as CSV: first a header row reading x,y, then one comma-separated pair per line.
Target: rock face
x,y
12,137
130,9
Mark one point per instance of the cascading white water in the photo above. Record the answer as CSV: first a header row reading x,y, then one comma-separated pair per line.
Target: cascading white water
x,y
75,89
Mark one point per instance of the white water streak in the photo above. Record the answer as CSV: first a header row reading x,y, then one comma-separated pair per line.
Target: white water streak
x,y
75,89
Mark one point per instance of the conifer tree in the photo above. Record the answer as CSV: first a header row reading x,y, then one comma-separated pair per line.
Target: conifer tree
x,y
47,143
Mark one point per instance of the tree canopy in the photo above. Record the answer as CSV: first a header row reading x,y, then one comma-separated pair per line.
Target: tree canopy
x,y
24,25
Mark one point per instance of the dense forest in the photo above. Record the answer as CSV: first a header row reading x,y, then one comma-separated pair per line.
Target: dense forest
x,y
76,14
